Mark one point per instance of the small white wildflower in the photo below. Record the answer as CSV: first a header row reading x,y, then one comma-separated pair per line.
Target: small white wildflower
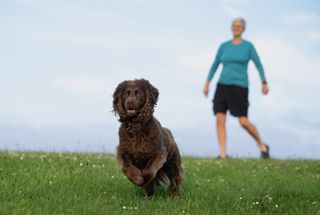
x,y
183,211
257,203
21,158
136,208
240,198
81,164
112,176
50,182
277,206
124,207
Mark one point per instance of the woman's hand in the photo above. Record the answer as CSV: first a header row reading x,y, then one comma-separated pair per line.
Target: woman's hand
x,y
265,89
206,88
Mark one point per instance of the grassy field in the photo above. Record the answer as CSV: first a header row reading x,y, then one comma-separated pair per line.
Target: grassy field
x,y
51,183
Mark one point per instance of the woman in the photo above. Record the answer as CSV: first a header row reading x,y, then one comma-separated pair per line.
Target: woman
x,y
232,89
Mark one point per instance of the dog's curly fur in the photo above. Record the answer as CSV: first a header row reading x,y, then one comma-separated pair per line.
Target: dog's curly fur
x,y
147,153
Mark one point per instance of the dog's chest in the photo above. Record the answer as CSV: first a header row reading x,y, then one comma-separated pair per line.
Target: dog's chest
x,y
140,150
141,146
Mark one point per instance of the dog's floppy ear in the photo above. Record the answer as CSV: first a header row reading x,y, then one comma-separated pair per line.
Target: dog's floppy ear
x,y
117,100
152,94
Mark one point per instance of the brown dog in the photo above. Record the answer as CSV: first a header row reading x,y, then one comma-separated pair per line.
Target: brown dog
x,y
147,153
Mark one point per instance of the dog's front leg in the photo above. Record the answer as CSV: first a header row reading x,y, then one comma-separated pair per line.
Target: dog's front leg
x,y
131,171
153,166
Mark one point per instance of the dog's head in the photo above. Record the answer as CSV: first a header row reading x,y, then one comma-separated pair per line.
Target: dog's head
x,y
135,100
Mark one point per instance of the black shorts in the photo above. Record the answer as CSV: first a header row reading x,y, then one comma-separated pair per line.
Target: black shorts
x,y
231,97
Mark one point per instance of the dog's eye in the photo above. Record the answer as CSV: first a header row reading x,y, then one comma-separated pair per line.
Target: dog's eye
x,y
139,93
126,93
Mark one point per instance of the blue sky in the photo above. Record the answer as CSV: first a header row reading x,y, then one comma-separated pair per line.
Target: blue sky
x,y
61,60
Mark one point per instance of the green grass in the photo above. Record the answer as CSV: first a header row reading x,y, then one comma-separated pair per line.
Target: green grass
x,y
52,183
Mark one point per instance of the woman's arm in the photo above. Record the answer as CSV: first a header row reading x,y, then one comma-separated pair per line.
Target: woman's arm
x,y
215,64
256,59
212,71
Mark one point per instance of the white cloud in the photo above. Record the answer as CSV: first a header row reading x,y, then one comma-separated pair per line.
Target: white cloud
x,y
82,84
231,7
242,1
307,23
302,18
293,76
314,36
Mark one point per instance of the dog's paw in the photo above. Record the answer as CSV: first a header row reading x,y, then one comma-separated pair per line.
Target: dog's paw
x,y
136,179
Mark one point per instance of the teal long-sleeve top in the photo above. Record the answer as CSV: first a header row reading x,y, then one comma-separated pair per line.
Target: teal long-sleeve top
x,y
235,59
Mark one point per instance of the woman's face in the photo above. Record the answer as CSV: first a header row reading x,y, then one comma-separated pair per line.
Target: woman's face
x,y
237,28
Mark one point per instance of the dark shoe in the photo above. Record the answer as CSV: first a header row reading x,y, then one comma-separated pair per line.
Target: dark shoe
x,y
266,154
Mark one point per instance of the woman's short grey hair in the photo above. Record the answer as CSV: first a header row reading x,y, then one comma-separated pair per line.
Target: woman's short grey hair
x,y
240,19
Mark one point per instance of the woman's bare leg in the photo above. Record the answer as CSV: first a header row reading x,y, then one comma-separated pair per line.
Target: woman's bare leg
x,y
252,130
222,134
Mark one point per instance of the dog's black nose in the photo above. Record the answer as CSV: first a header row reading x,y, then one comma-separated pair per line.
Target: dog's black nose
x,y
129,103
